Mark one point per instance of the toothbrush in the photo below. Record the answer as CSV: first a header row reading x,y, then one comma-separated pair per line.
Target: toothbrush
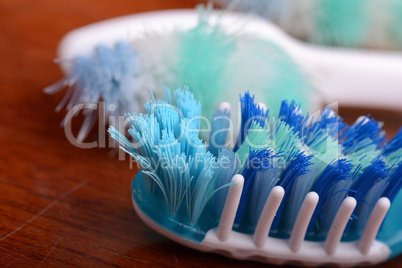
x,y
361,23
296,190
351,77
117,61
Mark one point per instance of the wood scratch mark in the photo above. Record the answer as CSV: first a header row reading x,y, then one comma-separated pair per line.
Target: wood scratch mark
x,y
50,251
175,259
54,202
72,217
8,264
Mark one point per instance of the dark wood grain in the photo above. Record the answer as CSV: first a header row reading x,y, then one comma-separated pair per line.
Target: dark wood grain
x,y
61,205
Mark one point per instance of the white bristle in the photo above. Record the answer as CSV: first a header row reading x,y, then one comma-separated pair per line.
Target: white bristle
x,y
267,216
230,208
225,106
302,221
262,106
338,225
373,224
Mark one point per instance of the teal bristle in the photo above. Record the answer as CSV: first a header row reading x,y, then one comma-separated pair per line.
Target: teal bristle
x,y
181,168
220,126
189,107
200,188
229,166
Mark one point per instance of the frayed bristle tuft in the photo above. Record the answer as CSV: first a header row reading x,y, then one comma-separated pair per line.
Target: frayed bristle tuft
x,y
108,75
172,156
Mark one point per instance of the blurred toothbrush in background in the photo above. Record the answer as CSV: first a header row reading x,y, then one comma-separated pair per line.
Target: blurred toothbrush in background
x,y
355,77
218,54
373,24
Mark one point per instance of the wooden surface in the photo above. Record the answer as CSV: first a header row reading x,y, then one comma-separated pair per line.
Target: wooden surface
x,y
61,205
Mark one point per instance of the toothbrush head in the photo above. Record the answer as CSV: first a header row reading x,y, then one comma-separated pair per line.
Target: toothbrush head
x,y
117,61
278,197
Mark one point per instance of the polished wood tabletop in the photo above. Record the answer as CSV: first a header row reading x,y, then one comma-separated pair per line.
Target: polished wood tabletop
x,y
61,205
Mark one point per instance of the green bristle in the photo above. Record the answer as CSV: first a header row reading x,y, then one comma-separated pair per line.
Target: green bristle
x,y
363,156
336,22
204,53
395,31
325,152
220,62
256,139
276,135
283,139
394,157
264,68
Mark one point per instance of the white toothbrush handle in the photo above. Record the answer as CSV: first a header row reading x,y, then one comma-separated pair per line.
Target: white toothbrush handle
x,y
354,77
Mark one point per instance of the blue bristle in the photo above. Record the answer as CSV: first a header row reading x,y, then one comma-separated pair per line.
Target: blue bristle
x,y
264,182
201,186
367,128
165,114
107,75
298,191
394,144
308,128
297,166
257,161
328,121
250,112
369,187
332,186
220,124
191,144
173,179
392,151
292,115
229,166
394,183
189,107
172,156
